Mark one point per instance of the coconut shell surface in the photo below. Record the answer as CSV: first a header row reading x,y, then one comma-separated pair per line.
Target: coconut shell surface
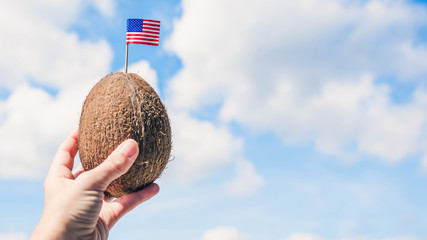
x,y
122,106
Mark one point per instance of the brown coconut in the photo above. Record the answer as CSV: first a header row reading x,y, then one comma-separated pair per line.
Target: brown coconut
x,y
122,106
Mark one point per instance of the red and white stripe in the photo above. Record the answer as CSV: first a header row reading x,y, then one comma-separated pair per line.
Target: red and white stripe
x,y
149,35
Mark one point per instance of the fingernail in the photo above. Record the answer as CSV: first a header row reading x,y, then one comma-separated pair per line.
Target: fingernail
x,y
128,148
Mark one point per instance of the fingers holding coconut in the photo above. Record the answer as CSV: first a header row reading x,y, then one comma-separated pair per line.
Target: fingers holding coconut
x,y
113,211
117,164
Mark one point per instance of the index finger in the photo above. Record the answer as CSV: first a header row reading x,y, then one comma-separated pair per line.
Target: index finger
x,y
63,162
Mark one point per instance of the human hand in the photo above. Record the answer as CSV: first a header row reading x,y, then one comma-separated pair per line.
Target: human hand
x,y
74,204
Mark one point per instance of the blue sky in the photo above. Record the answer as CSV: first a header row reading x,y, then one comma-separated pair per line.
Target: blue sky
x,y
291,120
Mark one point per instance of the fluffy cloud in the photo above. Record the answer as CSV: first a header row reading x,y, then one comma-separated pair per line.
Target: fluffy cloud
x,y
308,236
13,236
33,124
247,181
47,71
391,238
402,238
37,48
224,233
229,233
106,7
200,148
303,236
307,70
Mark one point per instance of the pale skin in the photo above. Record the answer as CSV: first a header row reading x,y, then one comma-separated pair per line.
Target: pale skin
x,y
75,207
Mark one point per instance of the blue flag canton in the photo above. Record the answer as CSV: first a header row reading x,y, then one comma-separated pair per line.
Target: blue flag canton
x,y
134,25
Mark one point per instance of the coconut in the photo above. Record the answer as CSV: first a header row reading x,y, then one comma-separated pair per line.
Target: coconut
x,y
122,106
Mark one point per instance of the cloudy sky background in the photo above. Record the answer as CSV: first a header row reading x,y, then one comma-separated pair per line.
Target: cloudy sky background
x,y
292,120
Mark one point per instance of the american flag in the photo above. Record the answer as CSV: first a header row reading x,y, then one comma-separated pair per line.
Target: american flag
x,y
143,31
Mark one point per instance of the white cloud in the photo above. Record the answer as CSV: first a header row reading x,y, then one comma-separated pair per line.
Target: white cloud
x,y
356,238
224,233
106,7
344,118
303,236
52,12
200,148
362,112
38,51
229,233
393,238
306,70
32,126
36,47
402,238
247,181
308,236
13,236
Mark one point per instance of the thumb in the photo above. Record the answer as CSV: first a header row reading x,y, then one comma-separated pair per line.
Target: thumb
x,y
117,164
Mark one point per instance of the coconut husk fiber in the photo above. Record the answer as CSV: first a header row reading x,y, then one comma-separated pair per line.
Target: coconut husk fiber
x,y
122,106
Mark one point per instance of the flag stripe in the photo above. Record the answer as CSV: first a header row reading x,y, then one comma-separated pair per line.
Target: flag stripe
x,y
152,32
153,21
143,42
142,34
150,24
150,28
147,37
143,37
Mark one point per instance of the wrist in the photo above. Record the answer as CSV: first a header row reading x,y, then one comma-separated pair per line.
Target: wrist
x,y
49,228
